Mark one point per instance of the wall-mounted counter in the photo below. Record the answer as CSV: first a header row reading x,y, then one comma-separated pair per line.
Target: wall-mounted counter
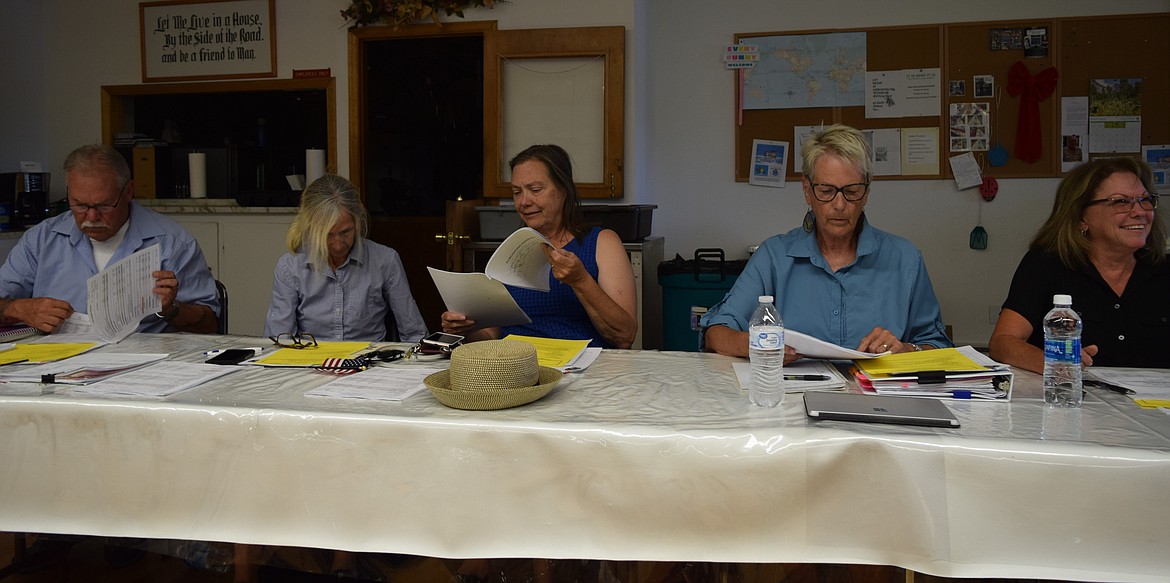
x,y
241,245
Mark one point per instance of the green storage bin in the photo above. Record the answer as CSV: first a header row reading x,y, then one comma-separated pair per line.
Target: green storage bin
x,y
689,287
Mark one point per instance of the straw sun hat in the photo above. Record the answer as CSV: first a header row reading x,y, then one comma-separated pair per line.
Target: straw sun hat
x,y
492,374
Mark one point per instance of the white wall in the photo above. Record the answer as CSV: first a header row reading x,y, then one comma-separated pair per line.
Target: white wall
x,y
679,114
22,65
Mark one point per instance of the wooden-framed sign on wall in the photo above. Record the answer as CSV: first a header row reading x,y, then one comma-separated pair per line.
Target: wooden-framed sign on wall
x,y
188,40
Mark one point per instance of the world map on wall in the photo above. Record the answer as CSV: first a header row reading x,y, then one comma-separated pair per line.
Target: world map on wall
x,y
809,70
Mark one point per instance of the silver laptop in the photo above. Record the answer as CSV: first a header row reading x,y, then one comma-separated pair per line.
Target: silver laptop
x,y
878,409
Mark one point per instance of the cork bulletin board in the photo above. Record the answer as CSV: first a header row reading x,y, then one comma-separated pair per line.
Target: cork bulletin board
x,y
975,59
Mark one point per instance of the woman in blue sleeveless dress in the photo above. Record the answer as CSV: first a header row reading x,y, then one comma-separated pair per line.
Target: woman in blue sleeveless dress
x,y
592,292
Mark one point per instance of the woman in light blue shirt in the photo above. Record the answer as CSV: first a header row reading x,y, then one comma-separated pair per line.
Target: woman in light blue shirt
x,y
335,284
835,278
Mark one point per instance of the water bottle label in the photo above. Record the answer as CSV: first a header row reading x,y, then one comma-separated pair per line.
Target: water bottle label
x,y
1063,350
766,340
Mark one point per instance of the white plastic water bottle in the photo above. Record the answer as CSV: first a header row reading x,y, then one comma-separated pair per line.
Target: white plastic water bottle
x,y
766,350
1062,354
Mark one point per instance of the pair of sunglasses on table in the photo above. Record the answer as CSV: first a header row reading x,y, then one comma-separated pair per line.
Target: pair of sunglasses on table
x,y
359,362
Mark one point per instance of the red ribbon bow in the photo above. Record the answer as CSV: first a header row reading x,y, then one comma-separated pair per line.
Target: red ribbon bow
x,y
1032,90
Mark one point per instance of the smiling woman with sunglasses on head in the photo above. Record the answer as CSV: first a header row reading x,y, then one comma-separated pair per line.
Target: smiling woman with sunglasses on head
x,y
1104,245
836,278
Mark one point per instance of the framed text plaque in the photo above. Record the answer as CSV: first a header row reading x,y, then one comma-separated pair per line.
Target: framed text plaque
x,y
188,40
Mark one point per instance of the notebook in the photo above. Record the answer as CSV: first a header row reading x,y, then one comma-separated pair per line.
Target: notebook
x,y
878,409
18,332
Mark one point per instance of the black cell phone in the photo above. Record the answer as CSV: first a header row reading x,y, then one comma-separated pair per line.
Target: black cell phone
x,y
232,356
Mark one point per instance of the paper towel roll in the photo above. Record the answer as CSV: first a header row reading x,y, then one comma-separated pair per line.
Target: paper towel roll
x,y
314,165
197,168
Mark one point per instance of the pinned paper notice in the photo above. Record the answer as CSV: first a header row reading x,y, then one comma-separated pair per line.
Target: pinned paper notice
x,y
966,171
741,56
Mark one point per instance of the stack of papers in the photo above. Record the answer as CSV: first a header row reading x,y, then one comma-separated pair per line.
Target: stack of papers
x,y
946,373
80,370
566,355
43,352
1149,387
311,355
157,380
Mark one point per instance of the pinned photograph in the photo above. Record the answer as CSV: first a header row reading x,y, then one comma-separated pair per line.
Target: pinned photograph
x,y
958,88
984,86
769,163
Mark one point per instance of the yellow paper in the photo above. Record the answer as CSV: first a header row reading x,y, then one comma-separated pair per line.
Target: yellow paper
x,y
1152,403
553,352
47,352
313,355
948,359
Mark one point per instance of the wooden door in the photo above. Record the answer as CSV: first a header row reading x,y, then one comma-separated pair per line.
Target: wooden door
x,y
462,225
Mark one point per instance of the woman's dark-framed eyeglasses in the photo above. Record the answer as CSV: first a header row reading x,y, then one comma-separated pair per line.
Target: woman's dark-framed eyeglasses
x,y
827,192
290,340
1119,203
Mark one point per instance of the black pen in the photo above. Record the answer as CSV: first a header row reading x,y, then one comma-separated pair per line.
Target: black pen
x,y
1109,387
806,377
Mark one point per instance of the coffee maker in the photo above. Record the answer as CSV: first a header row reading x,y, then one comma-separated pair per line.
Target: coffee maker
x,y
25,195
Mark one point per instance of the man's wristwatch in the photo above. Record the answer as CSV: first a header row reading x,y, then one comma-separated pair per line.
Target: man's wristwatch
x,y
170,315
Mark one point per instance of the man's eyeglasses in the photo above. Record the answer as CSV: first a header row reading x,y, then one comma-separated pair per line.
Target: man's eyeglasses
x,y
851,192
1123,204
290,340
100,208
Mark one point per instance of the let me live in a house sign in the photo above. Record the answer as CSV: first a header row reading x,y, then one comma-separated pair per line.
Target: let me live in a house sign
x,y
207,39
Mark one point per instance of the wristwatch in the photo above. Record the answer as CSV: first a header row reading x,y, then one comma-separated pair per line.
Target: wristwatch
x,y
167,317
916,347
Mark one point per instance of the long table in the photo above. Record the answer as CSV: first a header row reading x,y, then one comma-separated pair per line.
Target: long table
x,y
654,456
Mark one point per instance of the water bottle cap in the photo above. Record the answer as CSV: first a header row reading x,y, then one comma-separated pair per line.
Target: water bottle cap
x,y
765,299
1062,300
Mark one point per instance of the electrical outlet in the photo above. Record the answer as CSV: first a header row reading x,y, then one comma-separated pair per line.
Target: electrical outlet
x,y
992,314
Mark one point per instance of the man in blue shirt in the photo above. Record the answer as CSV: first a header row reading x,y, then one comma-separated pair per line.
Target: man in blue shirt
x,y
44,279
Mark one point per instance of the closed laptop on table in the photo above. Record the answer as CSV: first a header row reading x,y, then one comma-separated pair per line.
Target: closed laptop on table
x,y
878,409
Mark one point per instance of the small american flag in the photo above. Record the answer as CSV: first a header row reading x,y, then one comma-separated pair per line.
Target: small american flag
x,y
341,366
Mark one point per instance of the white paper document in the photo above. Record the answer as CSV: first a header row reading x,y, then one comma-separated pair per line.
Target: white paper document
x,y
482,297
383,383
122,294
84,368
810,347
78,328
519,260
904,93
157,380
1146,383
479,297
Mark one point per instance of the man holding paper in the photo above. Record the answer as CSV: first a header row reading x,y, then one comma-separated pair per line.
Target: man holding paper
x,y
592,291
44,279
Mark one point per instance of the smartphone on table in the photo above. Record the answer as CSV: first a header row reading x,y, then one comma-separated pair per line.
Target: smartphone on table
x,y
440,343
232,356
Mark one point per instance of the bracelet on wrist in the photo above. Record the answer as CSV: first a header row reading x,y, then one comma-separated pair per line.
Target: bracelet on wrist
x,y
170,315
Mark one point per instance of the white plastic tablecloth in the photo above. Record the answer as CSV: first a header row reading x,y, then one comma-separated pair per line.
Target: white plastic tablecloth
x,y
644,456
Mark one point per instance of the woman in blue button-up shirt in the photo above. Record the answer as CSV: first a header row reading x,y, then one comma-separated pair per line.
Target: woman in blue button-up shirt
x,y
335,284
836,278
